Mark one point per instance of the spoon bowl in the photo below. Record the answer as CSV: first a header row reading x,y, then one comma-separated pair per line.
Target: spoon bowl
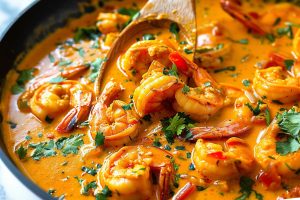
x,y
155,14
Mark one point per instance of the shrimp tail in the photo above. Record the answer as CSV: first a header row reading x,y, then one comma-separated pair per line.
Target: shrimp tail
x,y
73,117
232,129
233,9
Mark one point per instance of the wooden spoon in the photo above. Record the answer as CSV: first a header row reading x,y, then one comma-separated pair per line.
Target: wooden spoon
x,y
155,13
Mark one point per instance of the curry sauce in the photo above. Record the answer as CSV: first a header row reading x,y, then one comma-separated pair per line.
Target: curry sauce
x,y
245,77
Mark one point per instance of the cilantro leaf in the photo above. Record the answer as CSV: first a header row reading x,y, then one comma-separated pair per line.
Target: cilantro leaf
x,y
176,125
185,89
57,79
246,185
91,33
106,192
174,28
95,67
21,151
17,89
88,187
131,12
69,145
148,37
289,122
256,111
90,171
171,72
25,75
99,139
43,149
289,146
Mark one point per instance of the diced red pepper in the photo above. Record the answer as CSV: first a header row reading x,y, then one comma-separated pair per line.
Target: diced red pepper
x,y
179,61
185,191
218,155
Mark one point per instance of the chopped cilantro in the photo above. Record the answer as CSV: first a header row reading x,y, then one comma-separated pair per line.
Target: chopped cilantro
x,y
95,67
128,106
270,37
64,63
88,187
256,111
246,82
229,68
90,171
57,79
106,192
171,72
192,167
148,37
25,75
69,145
288,64
289,123
277,21
185,89
246,185
21,151
243,41
188,51
167,147
176,125
81,52
17,89
11,124
174,28
51,58
99,139
200,188
207,84
156,142
82,33
43,149
268,116
131,12
188,155
180,148
288,31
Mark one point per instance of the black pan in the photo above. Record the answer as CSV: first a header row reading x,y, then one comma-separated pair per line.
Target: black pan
x,y
19,38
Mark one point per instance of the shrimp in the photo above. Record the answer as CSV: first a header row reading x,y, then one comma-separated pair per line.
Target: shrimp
x,y
202,101
263,23
129,172
137,59
240,124
155,88
211,45
109,116
266,155
111,22
51,99
68,72
214,162
276,83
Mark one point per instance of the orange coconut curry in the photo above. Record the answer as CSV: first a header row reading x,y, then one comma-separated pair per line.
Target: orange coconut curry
x,y
224,125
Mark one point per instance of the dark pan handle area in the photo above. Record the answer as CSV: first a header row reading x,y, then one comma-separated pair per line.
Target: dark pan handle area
x,y
30,27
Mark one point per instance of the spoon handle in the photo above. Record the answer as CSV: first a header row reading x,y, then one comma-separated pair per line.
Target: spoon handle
x,y
180,11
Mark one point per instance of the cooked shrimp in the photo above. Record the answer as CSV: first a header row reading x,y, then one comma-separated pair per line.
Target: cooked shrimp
x,y
155,88
137,59
108,116
267,156
129,171
240,123
67,72
51,99
111,22
202,101
214,162
211,45
276,83
262,23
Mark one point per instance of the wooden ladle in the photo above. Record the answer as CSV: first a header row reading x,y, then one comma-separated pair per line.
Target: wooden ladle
x,y
155,13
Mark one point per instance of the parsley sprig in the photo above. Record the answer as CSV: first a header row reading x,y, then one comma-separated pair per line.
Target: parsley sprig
x,y
176,126
289,123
